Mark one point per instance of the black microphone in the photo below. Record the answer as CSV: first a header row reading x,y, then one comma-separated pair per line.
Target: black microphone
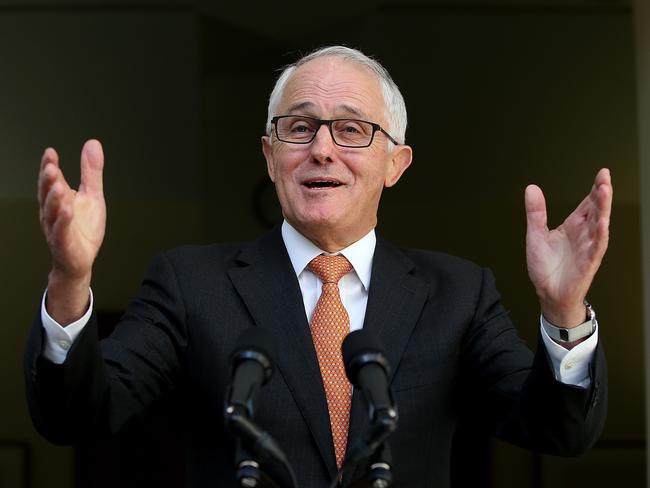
x,y
368,369
252,367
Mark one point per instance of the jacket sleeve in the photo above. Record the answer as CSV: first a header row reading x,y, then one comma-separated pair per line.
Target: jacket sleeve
x,y
521,397
102,386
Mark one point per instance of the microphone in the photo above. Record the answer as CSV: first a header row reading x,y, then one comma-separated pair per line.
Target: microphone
x,y
368,369
252,367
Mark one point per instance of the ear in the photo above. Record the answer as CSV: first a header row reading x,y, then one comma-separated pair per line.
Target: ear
x,y
400,159
268,155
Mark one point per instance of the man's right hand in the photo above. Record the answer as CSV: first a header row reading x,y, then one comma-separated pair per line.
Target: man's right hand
x,y
73,222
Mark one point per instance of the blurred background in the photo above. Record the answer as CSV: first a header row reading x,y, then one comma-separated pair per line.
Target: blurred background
x,y
500,94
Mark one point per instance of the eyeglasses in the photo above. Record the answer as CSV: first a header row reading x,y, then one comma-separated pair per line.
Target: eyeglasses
x,y
300,129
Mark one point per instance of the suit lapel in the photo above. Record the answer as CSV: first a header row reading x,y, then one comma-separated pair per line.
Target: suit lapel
x,y
395,302
269,287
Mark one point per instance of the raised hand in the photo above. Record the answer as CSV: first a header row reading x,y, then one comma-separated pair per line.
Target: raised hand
x,y
562,262
73,222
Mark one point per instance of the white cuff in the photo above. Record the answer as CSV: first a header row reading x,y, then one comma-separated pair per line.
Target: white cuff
x,y
571,366
58,340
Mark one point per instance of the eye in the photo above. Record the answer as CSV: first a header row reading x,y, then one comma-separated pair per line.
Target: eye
x,y
301,126
349,127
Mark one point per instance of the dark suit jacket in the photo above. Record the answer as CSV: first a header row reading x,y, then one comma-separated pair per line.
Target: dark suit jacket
x,y
449,340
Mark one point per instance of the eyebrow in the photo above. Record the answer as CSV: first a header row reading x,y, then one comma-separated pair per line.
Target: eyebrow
x,y
297,107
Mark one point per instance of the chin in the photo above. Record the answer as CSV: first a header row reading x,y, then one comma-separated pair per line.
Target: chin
x,y
318,220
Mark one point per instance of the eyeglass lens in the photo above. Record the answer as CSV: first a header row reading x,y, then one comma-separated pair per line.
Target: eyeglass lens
x,y
301,130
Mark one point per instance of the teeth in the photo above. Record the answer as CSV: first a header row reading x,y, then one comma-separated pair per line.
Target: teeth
x,y
322,184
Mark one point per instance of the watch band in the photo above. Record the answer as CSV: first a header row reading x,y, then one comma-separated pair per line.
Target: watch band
x,y
562,334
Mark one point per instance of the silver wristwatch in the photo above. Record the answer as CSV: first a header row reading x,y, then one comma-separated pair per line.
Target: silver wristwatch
x,y
581,331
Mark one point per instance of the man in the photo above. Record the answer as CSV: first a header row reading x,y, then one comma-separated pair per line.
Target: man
x,y
335,139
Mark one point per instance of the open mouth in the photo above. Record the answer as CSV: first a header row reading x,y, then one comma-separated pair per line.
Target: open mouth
x,y
314,184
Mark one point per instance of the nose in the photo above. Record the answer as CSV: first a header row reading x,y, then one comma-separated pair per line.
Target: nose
x,y
322,147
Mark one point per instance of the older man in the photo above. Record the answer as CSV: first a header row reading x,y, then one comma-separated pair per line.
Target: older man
x,y
335,139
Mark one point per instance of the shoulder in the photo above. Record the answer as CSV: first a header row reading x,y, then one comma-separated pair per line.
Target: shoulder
x,y
425,259
203,254
438,272
218,258
196,262
430,265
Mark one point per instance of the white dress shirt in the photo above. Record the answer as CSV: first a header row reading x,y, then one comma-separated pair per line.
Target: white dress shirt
x,y
570,366
353,286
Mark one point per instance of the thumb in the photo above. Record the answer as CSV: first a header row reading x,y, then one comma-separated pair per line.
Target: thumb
x,y
535,208
92,167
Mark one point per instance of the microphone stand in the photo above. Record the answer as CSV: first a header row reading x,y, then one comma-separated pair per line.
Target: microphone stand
x,y
379,471
251,437
373,447
249,474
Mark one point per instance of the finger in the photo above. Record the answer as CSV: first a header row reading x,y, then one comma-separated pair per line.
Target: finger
x,y
58,227
59,198
49,156
92,166
599,200
46,178
49,174
45,174
535,204
604,191
603,177
598,206
601,221
52,205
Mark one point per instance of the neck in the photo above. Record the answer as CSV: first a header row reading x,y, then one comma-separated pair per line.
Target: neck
x,y
332,240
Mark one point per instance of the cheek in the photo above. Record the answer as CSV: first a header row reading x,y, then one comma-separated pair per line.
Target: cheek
x,y
282,163
372,169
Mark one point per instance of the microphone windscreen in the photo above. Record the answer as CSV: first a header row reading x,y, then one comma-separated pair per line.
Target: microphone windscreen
x,y
256,339
356,346
255,344
359,342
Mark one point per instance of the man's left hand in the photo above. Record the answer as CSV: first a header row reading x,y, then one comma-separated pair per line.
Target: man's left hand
x,y
562,262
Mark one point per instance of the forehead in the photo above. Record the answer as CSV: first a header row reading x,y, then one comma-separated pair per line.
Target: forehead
x,y
330,87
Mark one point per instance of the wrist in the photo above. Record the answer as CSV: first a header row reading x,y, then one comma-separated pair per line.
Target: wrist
x,y
571,336
67,298
566,316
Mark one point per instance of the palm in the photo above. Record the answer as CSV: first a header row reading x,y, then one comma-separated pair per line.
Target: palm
x,y
563,262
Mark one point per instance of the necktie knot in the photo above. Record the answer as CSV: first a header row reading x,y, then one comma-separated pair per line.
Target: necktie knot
x,y
330,269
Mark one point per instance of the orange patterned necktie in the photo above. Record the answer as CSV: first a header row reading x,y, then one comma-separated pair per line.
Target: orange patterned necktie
x,y
329,325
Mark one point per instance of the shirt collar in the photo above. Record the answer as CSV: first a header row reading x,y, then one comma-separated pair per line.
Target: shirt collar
x,y
301,251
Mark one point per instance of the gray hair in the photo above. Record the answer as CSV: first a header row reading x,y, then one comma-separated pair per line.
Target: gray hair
x,y
394,106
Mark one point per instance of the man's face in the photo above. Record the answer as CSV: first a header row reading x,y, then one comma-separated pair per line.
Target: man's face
x,y
345,208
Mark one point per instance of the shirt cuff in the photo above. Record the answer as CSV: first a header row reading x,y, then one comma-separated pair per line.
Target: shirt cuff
x,y
58,340
571,366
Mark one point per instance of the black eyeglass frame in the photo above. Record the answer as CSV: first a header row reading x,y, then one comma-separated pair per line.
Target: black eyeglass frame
x,y
328,122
